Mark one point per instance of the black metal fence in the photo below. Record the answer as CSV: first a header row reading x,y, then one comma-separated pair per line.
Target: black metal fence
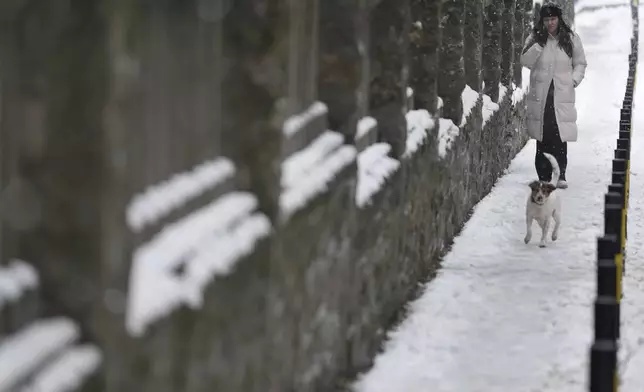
x,y
611,247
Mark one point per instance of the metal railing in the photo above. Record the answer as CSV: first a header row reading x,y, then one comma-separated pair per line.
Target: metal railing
x,y
611,247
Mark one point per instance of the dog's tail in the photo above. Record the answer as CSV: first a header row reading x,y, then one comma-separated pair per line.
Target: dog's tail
x,y
555,168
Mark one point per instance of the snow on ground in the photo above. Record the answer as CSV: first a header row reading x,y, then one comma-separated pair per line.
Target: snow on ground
x,y
589,4
505,316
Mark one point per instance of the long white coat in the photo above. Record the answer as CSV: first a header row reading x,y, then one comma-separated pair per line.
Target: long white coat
x,y
547,64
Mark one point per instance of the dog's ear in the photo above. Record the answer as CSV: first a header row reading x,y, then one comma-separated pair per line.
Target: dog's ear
x,y
534,185
550,188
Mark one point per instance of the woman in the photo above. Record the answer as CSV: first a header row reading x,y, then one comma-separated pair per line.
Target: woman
x,y
557,61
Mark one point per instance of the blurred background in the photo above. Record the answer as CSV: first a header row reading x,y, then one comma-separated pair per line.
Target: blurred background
x,y
237,195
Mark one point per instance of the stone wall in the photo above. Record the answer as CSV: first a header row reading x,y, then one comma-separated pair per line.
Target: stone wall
x,y
241,195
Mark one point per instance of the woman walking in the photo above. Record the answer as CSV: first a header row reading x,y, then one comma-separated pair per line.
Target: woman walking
x,y
556,59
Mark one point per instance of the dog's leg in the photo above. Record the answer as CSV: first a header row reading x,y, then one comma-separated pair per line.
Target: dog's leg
x,y
528,231
557,218
544,232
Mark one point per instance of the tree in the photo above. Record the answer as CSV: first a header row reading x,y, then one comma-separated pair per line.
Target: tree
x,y
472,43
519,30
340,64
255,37
425,40
507,42
527,18
492,50
390,21
568,7
451,81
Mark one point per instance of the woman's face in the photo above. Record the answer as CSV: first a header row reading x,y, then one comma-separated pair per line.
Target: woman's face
x,y
551,24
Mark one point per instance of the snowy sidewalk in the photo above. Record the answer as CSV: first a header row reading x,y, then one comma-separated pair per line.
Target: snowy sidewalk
x,y
508,317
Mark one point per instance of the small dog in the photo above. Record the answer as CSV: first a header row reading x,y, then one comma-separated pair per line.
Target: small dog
x,y
542,204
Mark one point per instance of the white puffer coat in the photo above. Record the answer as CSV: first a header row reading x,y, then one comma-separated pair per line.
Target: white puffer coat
x,y
547,64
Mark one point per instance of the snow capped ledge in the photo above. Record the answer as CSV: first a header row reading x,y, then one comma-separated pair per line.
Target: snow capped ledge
x,y
469,98
176,261
519,93
41,358
299,121
502,91
67,372
419,124
313,157
410,98
176,265
301,129
309,172
447,133
374,164
374,168
489,108
15,279
367,133
159,200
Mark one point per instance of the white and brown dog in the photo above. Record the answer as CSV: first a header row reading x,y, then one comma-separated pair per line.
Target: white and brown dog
x,y
543,204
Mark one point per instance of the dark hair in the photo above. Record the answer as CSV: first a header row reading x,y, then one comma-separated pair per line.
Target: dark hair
x,y
565,34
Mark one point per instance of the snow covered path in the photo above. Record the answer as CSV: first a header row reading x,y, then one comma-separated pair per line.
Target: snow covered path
x,y
509,317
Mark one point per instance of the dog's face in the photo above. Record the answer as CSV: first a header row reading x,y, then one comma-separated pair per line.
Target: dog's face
x,y
540,191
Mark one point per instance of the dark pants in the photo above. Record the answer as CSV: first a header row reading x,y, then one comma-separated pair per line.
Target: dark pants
x,y
551,142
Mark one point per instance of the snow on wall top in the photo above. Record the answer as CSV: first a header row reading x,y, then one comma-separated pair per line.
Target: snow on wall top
x,y
67,372
296,167
308,172
365,124
204,243
519,93
16,278
419,123
160,199
502,91
25,351
294,123
447,133
489,108
316,180
469,98
374,167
